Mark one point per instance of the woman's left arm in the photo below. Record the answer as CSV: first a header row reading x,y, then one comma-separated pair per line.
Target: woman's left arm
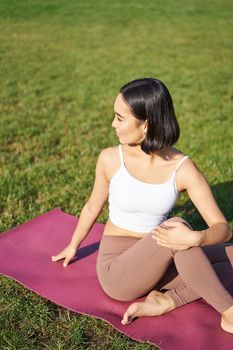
x,y
202,197
190,178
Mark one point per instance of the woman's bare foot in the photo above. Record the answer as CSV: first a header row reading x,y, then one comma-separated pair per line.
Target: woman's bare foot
x,y
155,304
227,320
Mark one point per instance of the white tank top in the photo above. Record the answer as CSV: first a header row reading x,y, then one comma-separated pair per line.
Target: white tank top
x,y
139,206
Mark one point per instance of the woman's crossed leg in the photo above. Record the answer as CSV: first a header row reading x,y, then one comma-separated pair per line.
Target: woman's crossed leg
x,y
136,266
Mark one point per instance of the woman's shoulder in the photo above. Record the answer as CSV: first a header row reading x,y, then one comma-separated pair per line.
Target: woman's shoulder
x,y
183,161
187,171
109,152
178,156
109,160
175,153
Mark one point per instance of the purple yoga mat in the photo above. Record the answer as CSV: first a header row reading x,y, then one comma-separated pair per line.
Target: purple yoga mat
x,y
25,256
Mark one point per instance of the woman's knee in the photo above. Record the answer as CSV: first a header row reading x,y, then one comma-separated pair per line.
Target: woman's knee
x,y
187,260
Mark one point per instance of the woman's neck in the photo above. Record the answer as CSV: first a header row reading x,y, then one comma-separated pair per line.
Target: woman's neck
x,y
135,149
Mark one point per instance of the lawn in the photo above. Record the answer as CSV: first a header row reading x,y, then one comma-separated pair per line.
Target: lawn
x,y
62,63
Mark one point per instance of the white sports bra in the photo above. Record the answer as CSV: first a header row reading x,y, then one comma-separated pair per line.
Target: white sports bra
x,y
139,206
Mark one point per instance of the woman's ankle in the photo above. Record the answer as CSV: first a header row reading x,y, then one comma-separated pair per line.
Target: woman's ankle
x,y
170,302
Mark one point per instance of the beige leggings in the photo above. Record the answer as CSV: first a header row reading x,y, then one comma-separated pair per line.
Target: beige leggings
x,y
128,268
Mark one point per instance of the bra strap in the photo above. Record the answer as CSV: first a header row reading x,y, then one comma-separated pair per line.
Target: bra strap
x,y
180,162
121,154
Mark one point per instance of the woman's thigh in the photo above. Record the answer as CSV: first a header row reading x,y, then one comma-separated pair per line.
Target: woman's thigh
x,y
129,267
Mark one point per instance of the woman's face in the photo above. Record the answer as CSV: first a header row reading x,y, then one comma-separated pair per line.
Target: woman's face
x,y
128,128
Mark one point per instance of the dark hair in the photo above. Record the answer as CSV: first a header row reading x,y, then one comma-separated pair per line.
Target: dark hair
x,y
149,99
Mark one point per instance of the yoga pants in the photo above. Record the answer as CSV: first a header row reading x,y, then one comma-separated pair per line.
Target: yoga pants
x,y
128,268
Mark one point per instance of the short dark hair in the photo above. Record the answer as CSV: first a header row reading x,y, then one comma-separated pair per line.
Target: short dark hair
x,y
149,99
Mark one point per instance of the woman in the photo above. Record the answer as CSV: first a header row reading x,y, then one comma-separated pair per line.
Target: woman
x,y
142,251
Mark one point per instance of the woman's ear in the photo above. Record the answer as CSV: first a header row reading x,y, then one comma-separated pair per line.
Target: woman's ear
x,y
145,127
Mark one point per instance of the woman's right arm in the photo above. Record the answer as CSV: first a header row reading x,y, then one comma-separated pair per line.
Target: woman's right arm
x,y
90,211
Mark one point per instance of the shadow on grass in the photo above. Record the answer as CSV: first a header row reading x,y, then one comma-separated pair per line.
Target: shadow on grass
x,y
223,194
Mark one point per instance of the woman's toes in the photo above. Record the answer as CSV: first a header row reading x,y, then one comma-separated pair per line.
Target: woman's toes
x,y
129,315
155,304
226,324
127,318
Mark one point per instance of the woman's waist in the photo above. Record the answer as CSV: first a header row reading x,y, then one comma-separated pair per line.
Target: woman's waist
x,y
112,229
133,224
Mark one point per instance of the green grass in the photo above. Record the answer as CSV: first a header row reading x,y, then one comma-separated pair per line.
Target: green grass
x,y
62,63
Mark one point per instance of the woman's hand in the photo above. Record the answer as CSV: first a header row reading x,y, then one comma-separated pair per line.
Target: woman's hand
x,y
68,253
176,235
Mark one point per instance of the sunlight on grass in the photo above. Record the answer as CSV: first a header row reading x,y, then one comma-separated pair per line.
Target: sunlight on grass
x,y
62,64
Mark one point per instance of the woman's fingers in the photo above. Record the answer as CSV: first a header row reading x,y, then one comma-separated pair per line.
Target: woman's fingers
x,y
61,256
160,235
68,253
166,226
162,242
160,239
160,232
66,262
57,257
